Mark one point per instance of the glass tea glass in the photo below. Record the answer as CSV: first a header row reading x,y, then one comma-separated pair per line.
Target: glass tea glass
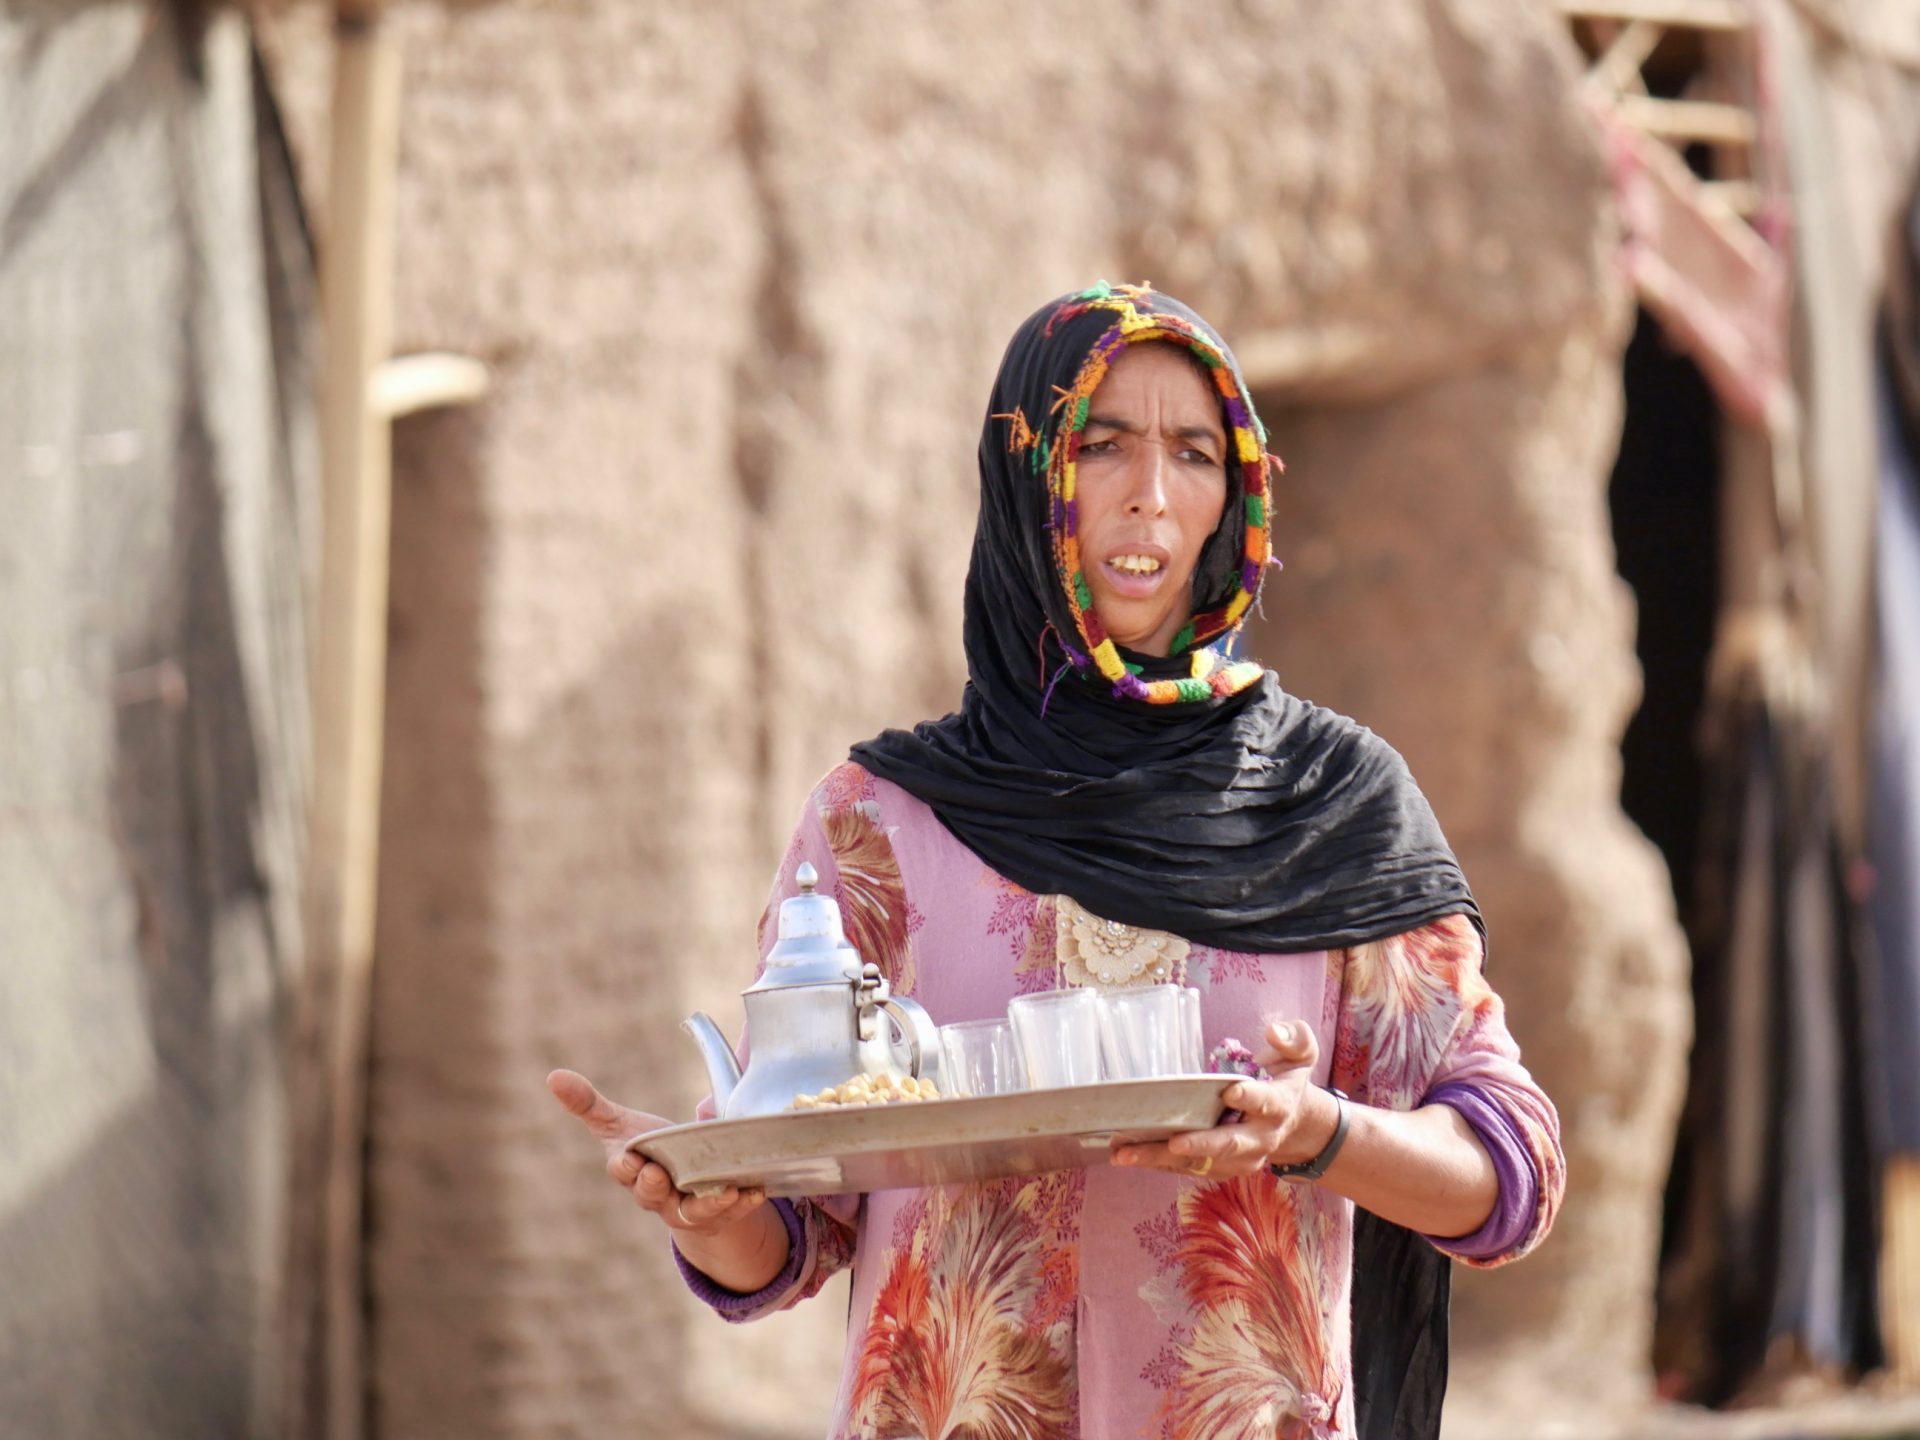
x,y
982,1058
1059,1036
1143,1031
1193,1040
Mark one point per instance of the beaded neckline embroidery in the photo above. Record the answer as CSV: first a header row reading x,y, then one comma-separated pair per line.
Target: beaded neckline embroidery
x,y
1094,951
1136,323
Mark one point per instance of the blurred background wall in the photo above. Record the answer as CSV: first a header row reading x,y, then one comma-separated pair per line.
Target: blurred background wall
x,y
740,275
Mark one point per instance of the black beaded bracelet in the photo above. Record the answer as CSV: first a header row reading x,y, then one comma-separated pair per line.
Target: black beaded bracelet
x,y
1307,1170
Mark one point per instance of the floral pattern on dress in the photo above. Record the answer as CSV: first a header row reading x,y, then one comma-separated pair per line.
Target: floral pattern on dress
x,y
844,785
1405,999
1216,965
970,1332
1408,1003
1027,920
1168,1366
873,898
1251,1360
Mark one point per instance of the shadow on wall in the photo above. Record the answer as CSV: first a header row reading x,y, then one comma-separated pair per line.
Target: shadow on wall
x,y
464,1143
437,1202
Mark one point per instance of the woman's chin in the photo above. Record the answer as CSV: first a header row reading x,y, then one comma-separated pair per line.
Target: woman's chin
x,y
1145,634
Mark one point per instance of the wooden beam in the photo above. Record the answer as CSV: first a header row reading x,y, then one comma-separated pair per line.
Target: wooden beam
x,y
350,659
1900,1267
1693,14
1687,120
1618,68
425,382
1742,197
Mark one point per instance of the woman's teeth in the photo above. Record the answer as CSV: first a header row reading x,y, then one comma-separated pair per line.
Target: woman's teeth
x,y
1135,564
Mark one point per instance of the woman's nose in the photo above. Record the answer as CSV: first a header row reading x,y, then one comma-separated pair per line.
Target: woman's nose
x,y
1147,495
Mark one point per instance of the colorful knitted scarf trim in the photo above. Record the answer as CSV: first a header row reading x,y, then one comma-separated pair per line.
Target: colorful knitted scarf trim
x,y
1055,450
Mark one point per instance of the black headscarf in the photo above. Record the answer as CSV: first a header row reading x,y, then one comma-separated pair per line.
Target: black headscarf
x,y
1185,793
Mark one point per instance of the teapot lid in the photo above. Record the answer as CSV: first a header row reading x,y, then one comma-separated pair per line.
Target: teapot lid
x,y
812,948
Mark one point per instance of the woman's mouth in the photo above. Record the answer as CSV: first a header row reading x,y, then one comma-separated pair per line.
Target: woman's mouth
x,y
1134,575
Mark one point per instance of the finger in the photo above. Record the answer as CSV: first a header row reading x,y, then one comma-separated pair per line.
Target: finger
x,y
1290,1044
1146,1157
652,1186
607,1121
576,1092
701,1212
1225,1142
572,1090
744,1204
1229,1166
1157,1156
626,1167
1261,1099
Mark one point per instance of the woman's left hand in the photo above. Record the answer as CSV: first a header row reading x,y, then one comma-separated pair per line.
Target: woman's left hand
x,y
1287,1119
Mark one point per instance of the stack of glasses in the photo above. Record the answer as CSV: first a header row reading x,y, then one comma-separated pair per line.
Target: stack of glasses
x,y
1076,1037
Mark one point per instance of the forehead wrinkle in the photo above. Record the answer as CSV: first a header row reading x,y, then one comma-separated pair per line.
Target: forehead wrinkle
x,y
1183,432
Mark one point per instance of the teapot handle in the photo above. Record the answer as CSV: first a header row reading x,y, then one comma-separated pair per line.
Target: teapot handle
x,y
922,1036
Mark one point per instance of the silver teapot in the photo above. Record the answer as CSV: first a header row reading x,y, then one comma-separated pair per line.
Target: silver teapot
x,y
815,1015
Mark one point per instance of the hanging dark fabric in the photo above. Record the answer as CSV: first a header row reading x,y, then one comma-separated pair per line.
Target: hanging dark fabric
x,y
1771,1238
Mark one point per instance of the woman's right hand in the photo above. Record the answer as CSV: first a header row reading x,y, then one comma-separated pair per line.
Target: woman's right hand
x,y
711,1230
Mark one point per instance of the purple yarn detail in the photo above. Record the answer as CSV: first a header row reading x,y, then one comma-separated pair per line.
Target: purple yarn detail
x,y
1519,1200
731,1305
1065,665
1131,687
1237,412
1230,1057
1110,344
1276,562
1250,576
1072,517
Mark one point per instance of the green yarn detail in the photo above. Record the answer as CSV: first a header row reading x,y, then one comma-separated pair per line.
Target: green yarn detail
x,y
1080,413
1183,642
1099,290
1080,591
1212,359
1132,669
1194,689
1257,511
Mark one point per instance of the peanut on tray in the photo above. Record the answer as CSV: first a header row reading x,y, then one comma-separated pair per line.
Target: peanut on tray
x,y
868,1090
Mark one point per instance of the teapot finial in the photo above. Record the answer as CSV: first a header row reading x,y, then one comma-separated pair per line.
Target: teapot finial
x,y
807,876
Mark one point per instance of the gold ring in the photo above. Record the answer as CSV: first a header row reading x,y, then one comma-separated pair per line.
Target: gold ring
x,y
1206,1164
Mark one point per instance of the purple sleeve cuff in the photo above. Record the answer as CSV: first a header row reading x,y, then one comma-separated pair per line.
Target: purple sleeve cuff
x,y
1516,1207
733,1306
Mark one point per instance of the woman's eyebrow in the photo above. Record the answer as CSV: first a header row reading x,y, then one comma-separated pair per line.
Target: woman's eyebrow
x,y
1185,432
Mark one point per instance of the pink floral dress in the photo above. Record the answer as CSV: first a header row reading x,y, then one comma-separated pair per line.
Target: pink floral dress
x,y
1107,1303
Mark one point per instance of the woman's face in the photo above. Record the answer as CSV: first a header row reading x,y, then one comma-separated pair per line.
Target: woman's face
x,y
1150,483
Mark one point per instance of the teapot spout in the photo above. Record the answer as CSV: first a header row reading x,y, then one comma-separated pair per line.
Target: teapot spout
x,y
723,1066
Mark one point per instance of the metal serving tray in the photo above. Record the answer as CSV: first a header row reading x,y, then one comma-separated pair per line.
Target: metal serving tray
x,y
933,1142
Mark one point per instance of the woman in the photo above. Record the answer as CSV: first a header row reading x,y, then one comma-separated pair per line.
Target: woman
x,y
1114,788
